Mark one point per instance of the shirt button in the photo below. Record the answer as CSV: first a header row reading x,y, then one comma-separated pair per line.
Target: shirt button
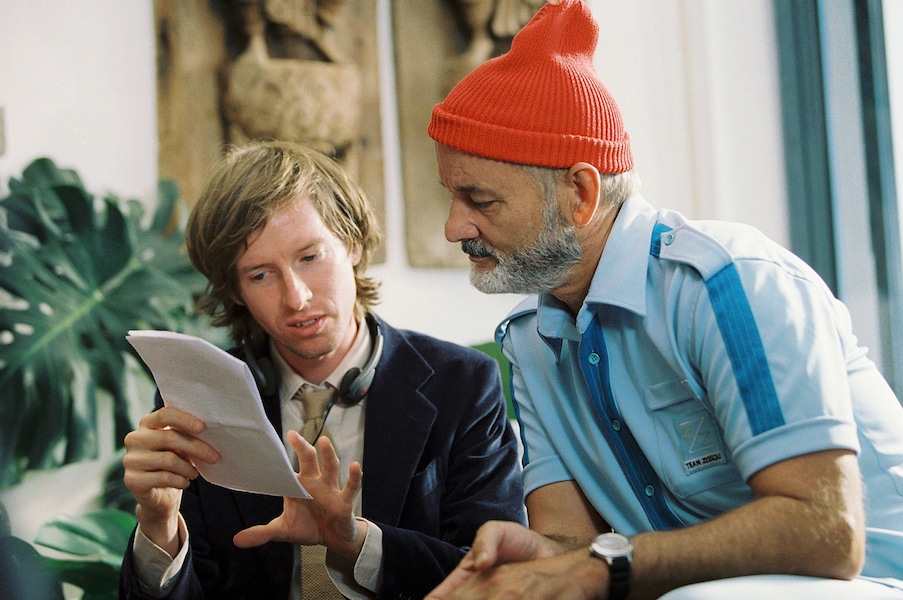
x,y
616,425
650,490
669,238
593,359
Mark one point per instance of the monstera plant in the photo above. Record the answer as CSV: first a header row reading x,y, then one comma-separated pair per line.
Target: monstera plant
x,y
77,272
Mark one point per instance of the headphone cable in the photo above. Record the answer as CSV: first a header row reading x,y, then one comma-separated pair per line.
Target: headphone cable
x,y
325,416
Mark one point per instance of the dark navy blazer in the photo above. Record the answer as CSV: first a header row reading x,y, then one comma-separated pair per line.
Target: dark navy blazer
x,y
440,459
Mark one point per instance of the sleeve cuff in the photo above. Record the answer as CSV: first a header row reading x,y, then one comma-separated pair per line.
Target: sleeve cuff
x,y
155,570
362,579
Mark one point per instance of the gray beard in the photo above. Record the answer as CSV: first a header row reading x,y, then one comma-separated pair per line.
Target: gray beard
x,y
542,267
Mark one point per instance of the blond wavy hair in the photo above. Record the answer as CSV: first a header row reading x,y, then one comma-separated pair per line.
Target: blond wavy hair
x,y
251,183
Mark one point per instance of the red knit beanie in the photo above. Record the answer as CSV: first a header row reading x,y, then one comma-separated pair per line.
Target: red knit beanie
x,y
542,102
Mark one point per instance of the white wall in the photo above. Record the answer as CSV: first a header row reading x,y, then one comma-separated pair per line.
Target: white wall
x,y
893,25
77,84
697,82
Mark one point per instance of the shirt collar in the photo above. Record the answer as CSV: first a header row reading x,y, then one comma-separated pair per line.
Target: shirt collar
x,y
619,280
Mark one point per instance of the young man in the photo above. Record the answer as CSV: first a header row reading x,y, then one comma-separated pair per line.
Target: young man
x,y
690,385
285,238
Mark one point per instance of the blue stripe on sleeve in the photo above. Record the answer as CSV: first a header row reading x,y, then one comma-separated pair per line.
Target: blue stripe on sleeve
x,y
745,349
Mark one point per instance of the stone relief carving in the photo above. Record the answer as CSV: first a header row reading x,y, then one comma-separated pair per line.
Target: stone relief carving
x,y
313,101
486,24
234,70
437,42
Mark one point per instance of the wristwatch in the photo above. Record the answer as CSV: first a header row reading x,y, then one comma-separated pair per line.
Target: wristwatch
x,y
617,551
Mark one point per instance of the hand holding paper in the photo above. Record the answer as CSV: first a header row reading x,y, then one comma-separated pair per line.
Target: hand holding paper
x,y
197,377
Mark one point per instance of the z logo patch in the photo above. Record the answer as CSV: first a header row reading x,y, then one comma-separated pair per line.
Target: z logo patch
x,y
700,444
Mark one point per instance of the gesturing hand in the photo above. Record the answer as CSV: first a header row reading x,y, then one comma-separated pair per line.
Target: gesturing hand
x,y
327,518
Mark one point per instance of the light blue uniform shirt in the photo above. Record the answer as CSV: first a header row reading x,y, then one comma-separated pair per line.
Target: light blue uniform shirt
x,y
702,354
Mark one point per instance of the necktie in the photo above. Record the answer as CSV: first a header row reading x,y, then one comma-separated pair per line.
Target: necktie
x,y
315,582
314,400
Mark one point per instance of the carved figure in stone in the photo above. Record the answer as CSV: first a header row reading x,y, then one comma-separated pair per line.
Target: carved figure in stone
x,y
486,22
309,93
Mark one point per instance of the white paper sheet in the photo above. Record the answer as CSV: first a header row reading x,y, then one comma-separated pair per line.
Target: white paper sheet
x,y
197,377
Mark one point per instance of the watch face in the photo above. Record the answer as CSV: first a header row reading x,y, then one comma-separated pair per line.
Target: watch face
x,y
612,545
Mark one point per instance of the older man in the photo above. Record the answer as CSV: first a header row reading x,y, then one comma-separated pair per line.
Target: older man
x,y
698,419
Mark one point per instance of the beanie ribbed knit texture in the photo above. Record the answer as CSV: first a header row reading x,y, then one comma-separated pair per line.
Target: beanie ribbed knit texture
x,y
541,103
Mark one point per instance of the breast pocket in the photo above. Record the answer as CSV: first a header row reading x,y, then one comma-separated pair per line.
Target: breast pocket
x,y
425,482
690,441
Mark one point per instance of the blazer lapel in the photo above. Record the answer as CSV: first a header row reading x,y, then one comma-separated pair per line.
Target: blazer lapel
x,y
398,423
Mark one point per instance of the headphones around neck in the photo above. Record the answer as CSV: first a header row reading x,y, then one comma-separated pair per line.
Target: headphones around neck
x,y
355,382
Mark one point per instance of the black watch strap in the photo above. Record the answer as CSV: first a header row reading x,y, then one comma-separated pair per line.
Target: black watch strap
x,y
619,575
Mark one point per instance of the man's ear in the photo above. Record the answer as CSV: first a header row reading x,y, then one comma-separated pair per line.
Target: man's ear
x,y
355,253
587,183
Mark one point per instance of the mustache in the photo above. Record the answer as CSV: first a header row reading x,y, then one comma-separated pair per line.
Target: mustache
x,y
475,247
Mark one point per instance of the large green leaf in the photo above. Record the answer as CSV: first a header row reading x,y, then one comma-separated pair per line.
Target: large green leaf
x,y
92,546
76,273
99,536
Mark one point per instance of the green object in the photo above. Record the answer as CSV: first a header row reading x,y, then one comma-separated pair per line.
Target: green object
x,y
93,545
495,351
76,274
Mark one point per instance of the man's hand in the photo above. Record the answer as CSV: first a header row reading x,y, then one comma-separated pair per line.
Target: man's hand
x,y
574,575
159,462
328,518
499,543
